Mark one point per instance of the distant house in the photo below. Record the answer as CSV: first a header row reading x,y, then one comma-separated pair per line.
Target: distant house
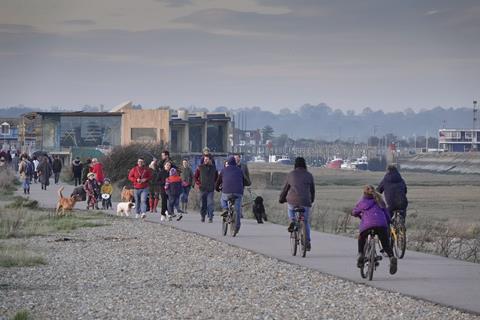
x,y
9,133
459,140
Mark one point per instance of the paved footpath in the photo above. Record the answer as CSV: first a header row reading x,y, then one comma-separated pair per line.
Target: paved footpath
x,y
440,280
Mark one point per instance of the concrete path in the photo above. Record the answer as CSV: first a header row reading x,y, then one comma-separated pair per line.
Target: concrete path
x,y
440,280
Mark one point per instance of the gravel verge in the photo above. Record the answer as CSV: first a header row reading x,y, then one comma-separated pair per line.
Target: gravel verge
x,y
138,270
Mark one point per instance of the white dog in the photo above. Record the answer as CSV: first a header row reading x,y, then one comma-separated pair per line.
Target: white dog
x,y
125,208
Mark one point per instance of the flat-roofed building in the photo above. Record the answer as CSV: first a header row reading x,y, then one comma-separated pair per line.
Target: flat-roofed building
x,y
459,140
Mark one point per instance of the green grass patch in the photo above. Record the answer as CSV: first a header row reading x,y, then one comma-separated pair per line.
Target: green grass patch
x,y
22,223
22,315
19,202
18,256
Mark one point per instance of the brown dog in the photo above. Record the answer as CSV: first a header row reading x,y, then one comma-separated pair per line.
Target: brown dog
x,y
127,195
65,203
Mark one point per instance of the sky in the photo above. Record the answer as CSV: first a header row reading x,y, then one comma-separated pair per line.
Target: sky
x,y
382,54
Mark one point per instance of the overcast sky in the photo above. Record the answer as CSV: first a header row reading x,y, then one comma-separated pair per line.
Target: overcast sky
x,y
382,54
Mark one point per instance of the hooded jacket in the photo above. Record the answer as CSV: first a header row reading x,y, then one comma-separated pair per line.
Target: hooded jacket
x,y
230,178
299,189
395,190
371,214
77,167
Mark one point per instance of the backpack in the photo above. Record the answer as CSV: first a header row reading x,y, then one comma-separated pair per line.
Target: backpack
x,y
28,168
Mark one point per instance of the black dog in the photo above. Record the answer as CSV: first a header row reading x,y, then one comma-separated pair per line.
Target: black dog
x,y
79,193
259,210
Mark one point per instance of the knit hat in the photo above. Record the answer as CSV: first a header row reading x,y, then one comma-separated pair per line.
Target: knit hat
x,y
173,172
90,175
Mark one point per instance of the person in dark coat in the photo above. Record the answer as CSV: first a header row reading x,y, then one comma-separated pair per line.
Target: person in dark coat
x,y
205,177
86,170
395,190
230,183
299,191
44,172
77,167
57,168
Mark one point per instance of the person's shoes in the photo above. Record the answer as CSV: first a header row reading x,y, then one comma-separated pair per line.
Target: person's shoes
x,y
259,222
308,246
162,218
180,217
137,216
225,213
291,227
235,232
360,260
393,265
180,211
210,220
143,215
203,219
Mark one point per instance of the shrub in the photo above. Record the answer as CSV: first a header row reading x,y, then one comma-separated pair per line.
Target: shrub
x,y
7,180
122,158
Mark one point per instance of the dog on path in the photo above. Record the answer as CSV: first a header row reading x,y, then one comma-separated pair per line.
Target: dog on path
x,y
127,194
125,208
65,203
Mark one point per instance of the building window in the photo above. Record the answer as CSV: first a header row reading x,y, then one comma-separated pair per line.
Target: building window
x,y
144,134
452,134
468,135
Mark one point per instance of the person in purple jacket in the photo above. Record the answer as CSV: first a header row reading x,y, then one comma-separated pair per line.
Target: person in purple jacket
x,y
230,182
373,214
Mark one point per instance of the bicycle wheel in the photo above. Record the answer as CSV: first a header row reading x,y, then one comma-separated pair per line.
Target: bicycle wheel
x,y
401,240
293,242
224,225
371,258
364,268
233,219
303,238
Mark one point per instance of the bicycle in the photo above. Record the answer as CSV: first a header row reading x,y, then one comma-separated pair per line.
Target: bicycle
x,y
371,259
298,235
398,234
230,218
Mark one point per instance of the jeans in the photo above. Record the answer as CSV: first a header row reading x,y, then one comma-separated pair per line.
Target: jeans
x,y
141,200
206,198
26,183
172,203
185,193
238,206
57,176
306,215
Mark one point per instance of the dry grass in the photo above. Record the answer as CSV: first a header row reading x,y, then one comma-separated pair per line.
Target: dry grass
x,y
18,256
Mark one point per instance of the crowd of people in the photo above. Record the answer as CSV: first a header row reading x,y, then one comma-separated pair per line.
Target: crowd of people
x,y
162,181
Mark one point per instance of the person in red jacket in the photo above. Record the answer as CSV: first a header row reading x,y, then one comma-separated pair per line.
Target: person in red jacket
x,y
97,168
140,176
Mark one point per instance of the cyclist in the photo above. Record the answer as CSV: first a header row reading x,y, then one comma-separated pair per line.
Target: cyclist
x,y
373,214
395,190
299,191
230,181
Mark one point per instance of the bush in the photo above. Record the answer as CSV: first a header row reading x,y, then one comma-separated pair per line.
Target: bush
x,y
122,158
8,180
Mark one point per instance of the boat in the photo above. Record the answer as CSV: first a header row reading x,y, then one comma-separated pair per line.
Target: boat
x,y
258,159
361,163
335,163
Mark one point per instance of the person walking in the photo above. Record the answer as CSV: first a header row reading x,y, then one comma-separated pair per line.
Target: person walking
x,y
154,186
57,168
187,180
93,190
35,169
205,177
25,169
173,188
140,177
97,168
77,167
44,172
246,174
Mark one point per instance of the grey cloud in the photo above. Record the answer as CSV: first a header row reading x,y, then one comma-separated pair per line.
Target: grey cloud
x,y
79,22
15,27
175,3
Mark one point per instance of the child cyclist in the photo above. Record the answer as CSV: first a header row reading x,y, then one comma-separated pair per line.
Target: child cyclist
x,y
371,210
